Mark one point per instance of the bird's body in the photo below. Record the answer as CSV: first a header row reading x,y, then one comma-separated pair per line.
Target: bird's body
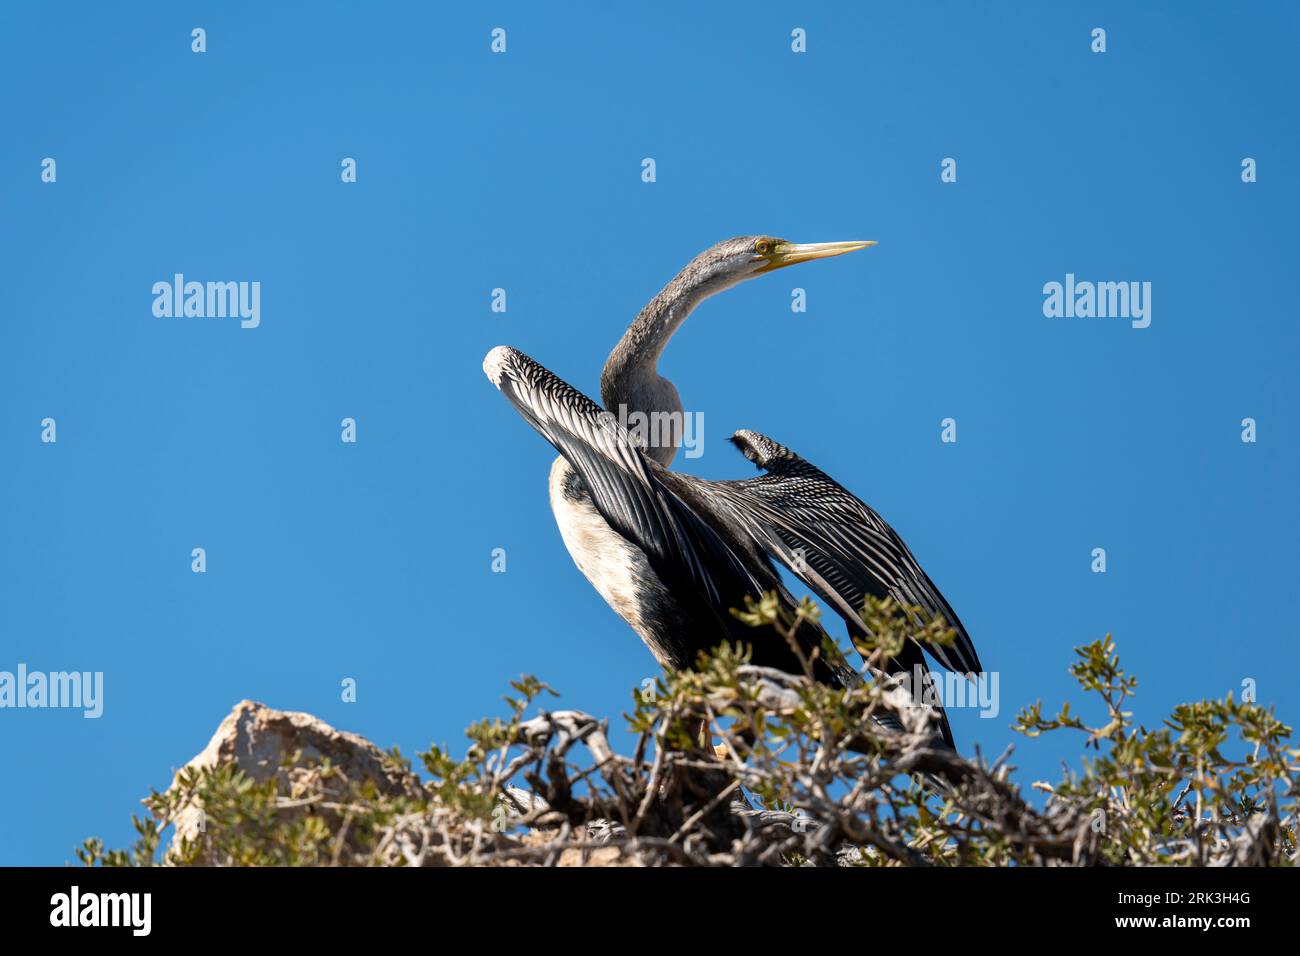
x,y
616,568
673,554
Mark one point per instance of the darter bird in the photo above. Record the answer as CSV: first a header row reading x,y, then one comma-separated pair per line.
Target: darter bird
x,y
673,554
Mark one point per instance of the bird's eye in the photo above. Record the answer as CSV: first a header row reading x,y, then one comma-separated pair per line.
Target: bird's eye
x,y
762,247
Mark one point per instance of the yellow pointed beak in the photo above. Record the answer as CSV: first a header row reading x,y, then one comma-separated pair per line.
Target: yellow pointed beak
x,y
790,253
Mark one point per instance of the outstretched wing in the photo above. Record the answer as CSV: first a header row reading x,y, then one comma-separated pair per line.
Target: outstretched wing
x,y
836,544
703,566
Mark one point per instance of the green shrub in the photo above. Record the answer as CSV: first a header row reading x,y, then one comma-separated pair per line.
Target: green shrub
x,y
803,775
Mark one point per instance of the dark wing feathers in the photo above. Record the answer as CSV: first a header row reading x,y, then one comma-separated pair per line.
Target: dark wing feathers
x,y
704,570
835,543
615,472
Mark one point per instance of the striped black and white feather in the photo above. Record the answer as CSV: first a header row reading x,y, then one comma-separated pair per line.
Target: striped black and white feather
x,y
834,542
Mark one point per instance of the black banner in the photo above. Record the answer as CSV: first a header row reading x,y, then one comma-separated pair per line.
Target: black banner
x,y
185,904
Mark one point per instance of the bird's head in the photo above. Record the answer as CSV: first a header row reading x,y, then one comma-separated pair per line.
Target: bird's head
x,y
744,257
630,379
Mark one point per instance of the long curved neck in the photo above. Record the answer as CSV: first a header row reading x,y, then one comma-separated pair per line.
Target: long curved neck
x,y
638,351
631,384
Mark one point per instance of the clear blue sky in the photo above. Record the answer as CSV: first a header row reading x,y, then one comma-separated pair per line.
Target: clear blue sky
x,y
522,171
